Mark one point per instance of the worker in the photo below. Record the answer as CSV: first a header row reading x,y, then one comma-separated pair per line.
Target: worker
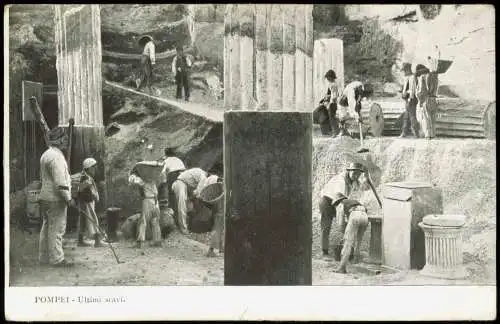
x,y
356,217
409,95
148,59
327,108
180,68
349,104
54,199
187,185
339,187
427,98
150,212
173,166
87,197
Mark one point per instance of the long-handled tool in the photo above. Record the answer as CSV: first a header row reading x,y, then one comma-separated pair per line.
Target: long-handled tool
x,y
363,149
103,234
370,183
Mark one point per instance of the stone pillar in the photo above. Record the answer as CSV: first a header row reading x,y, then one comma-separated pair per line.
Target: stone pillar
x,y
443,249
268,144
328,54
78,49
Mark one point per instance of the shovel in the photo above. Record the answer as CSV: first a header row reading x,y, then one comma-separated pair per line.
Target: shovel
x,y
362,149
103,233
370,183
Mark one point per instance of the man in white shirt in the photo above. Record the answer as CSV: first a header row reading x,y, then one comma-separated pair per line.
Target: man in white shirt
x,y
148,59
334,192
55,197
349,104
173,166
189,183
180,68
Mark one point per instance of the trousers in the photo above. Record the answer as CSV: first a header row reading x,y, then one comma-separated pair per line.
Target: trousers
x,y
217,237
150,214
54,217
180,204
354,231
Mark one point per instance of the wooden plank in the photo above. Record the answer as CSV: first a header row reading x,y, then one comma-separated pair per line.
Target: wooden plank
x,y
268,212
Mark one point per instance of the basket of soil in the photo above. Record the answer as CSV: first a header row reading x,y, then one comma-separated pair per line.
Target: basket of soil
x,y
212,193
149,171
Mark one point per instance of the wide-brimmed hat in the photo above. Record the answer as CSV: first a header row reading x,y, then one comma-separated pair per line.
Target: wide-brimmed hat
x,y
144,39
353,166
57,136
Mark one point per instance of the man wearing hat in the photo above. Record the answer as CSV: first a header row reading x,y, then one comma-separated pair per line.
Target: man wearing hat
x,y
180,68
148,59
333,194
327,109
54,199
87,197
173,166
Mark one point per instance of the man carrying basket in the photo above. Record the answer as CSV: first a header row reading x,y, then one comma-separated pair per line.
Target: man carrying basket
x,y
150,208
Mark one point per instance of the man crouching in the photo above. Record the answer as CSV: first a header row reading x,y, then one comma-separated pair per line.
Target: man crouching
x,y
356,218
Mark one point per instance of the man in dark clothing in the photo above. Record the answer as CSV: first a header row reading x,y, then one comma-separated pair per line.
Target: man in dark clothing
x,y
180,67
327,109
410,98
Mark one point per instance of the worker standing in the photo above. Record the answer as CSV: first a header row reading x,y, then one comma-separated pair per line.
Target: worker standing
x,y
88,195
148,59
335,191
150,212
409,95
180,68
173,166
55,197
427,98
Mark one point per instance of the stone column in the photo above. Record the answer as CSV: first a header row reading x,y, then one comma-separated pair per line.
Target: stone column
x,y
78,63
268,144
328,54
443,251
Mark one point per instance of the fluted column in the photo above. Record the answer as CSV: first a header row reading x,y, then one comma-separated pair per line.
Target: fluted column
x,y
79,90
268,144
443,251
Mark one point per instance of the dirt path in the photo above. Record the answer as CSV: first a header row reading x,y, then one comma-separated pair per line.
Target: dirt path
x,y
180,261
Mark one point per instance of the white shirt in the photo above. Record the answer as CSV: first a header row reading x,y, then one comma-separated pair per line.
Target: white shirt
x,y
56,181
150,189
171,164
149,50
194,178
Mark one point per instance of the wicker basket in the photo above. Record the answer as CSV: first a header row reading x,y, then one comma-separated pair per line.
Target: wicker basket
x,y
149,171
212,193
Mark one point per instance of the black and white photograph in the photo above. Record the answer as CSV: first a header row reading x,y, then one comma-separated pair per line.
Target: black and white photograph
x,y
333,145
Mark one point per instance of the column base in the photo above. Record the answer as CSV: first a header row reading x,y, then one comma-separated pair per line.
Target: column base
x,y
437,272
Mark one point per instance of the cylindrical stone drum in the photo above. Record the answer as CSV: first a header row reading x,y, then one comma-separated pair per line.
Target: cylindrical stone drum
x,y
112,220
443,246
